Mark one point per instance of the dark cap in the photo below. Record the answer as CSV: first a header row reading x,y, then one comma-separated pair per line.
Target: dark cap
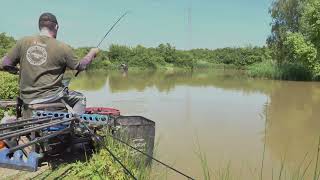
x,y
48,17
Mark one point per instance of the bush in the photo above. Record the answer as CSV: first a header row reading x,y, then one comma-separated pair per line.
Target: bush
x,y
9,88
294,71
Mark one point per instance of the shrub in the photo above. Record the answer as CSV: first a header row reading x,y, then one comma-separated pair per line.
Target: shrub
x,y
9,88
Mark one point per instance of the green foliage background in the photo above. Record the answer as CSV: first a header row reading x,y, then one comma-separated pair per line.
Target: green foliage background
x,y
292,50
166,56
8,83
295,35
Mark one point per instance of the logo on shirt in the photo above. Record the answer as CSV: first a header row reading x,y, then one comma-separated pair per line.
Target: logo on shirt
x,y
37,55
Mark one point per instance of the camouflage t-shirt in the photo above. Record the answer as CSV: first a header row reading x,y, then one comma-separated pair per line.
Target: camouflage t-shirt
x,y
43,61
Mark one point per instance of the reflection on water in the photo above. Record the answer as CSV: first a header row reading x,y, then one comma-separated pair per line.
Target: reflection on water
x,y
293,127
224,112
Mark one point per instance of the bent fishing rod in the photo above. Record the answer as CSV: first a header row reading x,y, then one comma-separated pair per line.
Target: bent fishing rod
x,y
108,32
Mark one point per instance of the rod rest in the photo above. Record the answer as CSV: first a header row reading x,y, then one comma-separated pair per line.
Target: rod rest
x,y
18,162
91,119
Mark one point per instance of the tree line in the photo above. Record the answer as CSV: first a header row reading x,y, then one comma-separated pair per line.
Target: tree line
x,y
164,55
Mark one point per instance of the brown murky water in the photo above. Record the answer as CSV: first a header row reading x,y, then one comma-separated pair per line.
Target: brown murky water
x,y
222,113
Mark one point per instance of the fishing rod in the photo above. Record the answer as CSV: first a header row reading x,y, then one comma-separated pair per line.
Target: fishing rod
x,y
98,139
104,37
127,12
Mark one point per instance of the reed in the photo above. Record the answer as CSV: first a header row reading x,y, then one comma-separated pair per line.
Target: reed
x,y
286,71
265,139
203,159
316,176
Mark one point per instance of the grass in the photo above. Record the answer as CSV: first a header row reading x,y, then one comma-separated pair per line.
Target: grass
x,y
101,165
203,161
263,70
287,71
316,174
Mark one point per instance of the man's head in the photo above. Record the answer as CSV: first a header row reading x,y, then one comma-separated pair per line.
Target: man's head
x,y
49,22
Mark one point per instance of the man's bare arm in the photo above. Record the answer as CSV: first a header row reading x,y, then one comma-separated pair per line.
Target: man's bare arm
x,y
85,61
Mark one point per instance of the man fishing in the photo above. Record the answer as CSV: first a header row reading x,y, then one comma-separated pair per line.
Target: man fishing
x,y
42,63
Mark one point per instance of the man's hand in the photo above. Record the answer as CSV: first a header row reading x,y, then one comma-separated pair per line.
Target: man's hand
x,y
87,59
94,51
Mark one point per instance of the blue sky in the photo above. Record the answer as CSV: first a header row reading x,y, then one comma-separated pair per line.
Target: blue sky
x,y
215,23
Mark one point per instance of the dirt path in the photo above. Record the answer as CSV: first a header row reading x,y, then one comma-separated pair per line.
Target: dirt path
x,y
7,174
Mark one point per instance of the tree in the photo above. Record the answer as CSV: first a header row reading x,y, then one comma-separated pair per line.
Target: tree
x,y
299,50
6,42
119,54
286,16
310,23
167,52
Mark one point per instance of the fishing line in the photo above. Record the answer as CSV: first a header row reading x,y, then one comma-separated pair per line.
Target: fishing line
x,y
166,165
104,37
123,166
97,138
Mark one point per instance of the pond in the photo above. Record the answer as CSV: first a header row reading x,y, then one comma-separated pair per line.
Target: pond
x,y
235,124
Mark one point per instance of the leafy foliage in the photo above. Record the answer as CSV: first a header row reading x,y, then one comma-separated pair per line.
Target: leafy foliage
x,y
310,23
8,83
301,51
6,42
165,55
295,34
9,88
286,16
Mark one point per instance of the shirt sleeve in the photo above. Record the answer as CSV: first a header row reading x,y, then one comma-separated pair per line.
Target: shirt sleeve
x,y
14,54
70,59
